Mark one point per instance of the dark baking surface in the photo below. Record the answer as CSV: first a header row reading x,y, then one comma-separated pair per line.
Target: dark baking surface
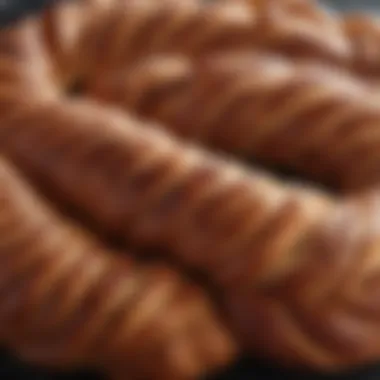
x,y
246,369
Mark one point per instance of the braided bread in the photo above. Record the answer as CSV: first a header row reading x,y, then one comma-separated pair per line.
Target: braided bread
x,y
244,231
68,300
287,20
295,28
300,262
296,260
306,117
106,35
139,182
337,165
104,311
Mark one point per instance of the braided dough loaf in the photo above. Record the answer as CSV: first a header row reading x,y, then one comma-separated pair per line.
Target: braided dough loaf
x,y
237,118
296,269
272,250
104,35
68,300
110,34
305,117
290,23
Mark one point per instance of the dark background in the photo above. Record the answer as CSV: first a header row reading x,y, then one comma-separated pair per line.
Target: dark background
x,y
345,5
246,369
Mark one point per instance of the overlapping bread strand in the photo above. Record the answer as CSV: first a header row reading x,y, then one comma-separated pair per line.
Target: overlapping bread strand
x,y
305,117
180,335
139,182
315,277
290,307
277,253
331,299
359,33
295,28
61,25
214,24
363,32
300,29
66,300
24,67
129,30
117,33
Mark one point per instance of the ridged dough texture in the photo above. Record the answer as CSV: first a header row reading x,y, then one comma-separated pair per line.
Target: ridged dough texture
x,y
67,300
109,34
169,86
268,247
305,117
25,67
273,104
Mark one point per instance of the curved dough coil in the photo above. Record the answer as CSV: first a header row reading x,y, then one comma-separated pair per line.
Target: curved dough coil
x,y
358,32
66,300
309,118
140,183
281,256
299,261
250,234
107,35
137,313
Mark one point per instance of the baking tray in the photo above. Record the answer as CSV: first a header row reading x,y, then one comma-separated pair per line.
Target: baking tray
x,y
245,369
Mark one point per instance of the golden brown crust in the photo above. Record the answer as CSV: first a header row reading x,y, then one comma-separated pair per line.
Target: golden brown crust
x,y
25,69
241,230
298,29
140,183
330,301
363,32
134,30
356,33
287,261
305,117
67,300
116,35
280,256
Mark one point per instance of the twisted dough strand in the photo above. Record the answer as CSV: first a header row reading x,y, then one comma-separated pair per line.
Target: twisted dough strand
x,y
306,117
244,232
358,33
112,35
139,182
106,34
24,67
281,256
331,300
67,300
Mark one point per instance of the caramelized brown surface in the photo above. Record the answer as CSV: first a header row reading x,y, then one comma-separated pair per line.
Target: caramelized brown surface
x,y
25,67
67,300
108,34
307,117
294,268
